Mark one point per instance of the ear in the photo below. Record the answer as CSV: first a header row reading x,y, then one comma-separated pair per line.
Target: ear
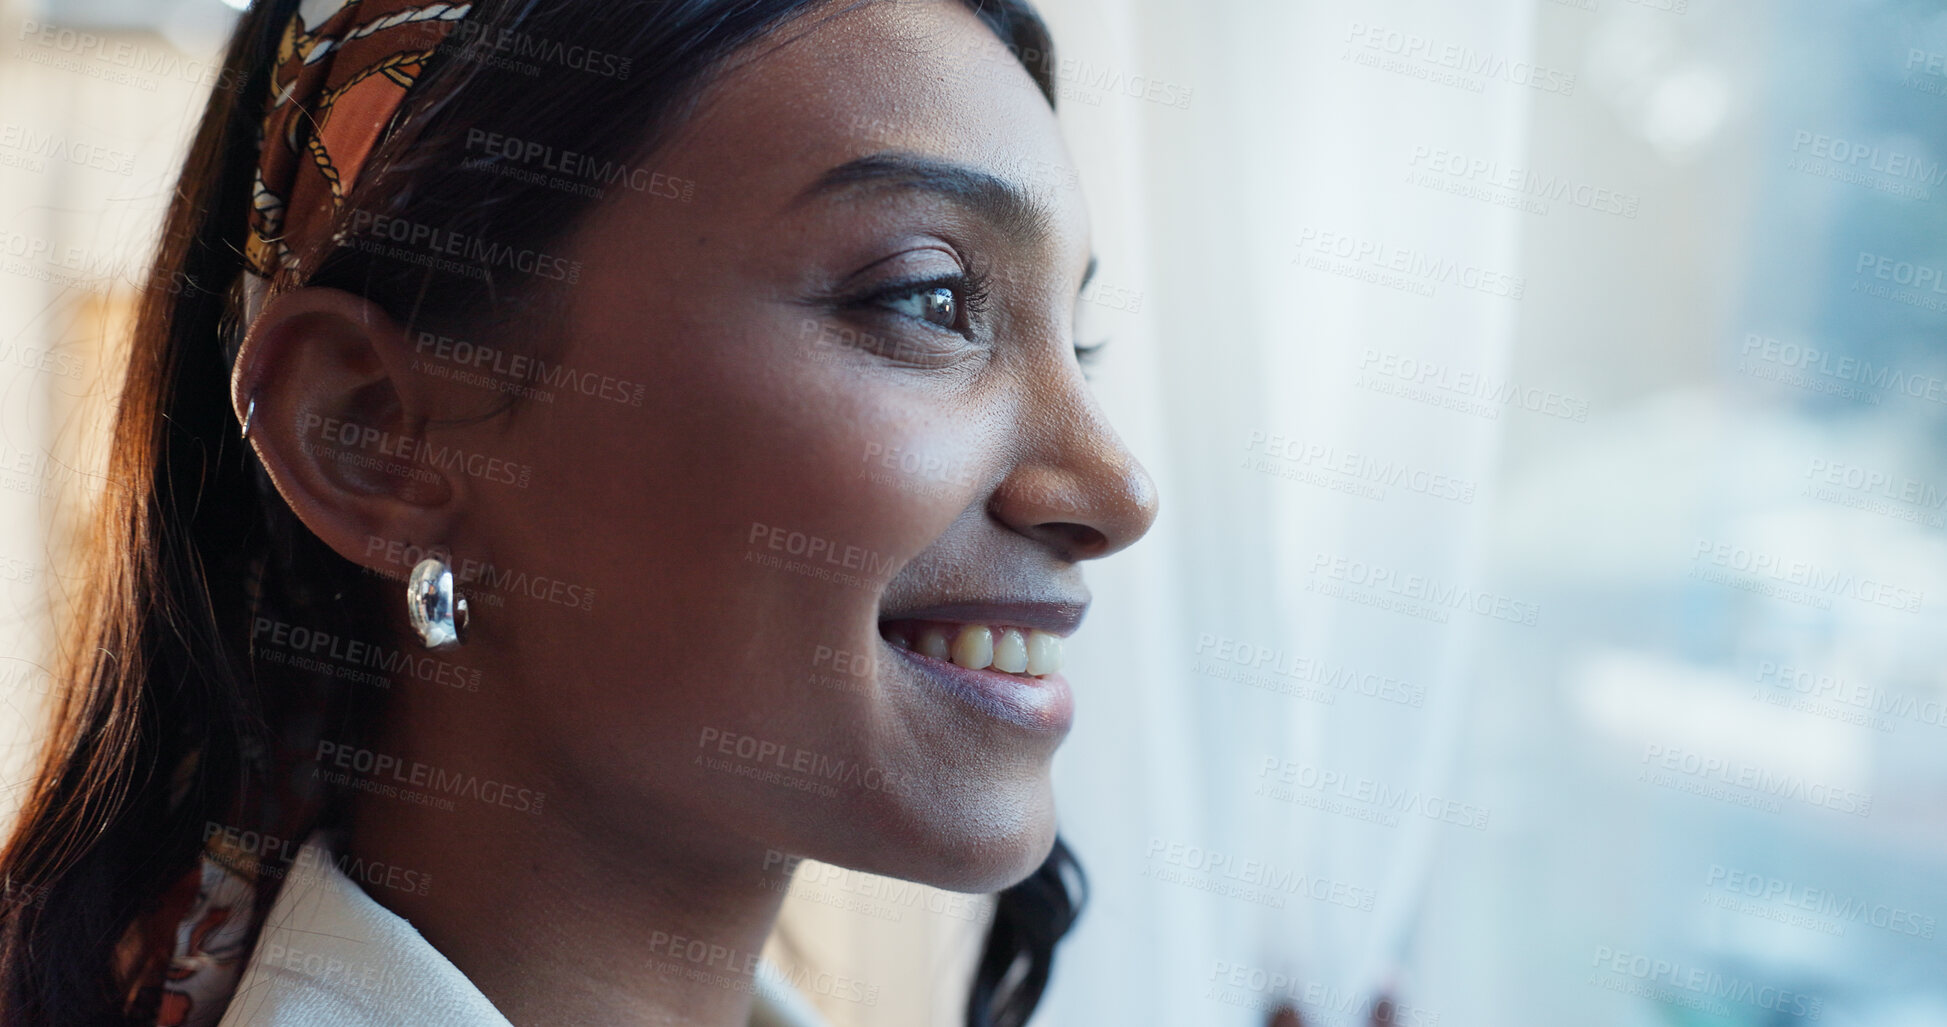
x,y
342,424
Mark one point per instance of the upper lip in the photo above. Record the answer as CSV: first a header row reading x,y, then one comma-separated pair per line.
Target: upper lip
x,y
1056,617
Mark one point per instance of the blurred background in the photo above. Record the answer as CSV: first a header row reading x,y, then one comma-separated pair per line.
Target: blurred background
x,y
1546,618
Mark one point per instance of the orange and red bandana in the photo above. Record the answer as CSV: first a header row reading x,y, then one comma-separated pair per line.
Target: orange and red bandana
x,y
344,67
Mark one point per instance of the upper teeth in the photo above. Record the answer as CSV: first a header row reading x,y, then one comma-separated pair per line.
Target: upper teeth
x,y
979,646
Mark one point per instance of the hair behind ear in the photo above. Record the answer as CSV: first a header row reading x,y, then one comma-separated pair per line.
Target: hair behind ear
x,y
149,671
1029,918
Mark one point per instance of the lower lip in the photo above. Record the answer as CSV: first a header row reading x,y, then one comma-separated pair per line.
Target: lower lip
x,y
1043,705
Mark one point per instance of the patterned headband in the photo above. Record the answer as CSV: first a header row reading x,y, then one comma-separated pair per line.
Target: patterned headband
x,y
343,69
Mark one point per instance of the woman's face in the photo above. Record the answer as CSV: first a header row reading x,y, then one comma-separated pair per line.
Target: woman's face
x,y
862,418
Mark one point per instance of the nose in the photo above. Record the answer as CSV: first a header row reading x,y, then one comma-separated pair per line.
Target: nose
x,y
1076,488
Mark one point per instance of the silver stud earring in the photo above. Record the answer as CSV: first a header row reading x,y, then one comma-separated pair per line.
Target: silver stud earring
x,y
437,612
249,412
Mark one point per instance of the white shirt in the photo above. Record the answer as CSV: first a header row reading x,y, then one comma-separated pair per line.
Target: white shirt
x,y
330,956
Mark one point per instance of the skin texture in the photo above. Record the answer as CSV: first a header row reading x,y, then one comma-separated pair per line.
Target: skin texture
x,y
752,422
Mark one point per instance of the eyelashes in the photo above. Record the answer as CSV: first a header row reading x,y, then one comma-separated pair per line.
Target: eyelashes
x,y
956,302
1090,355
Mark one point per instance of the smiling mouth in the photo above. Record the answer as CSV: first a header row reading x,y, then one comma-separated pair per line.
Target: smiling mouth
x,y
1027,652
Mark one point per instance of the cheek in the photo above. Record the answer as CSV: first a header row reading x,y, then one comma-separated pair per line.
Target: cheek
x,y
849,466
753,495
720,534
929,472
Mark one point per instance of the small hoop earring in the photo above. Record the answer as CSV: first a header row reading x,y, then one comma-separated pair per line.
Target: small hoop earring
x,y
249,412
437,612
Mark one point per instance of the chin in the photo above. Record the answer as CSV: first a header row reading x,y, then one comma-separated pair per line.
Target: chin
x,y
985,847
1010,867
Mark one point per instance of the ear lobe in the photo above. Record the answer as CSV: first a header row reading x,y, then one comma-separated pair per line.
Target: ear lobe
x,y
342,422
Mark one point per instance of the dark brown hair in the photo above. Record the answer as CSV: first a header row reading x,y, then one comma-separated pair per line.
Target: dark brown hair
x,y
164,721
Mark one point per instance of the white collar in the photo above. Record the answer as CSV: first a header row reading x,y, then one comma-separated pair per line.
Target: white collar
x,y
330,956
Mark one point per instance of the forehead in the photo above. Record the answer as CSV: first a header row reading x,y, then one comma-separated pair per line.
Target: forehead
x,y
923,77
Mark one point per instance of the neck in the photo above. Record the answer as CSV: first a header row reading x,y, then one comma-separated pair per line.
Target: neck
x,y
564,916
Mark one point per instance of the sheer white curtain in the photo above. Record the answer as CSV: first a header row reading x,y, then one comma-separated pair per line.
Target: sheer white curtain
x,y
1271,685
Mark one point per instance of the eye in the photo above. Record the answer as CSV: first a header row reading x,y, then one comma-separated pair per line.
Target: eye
x,y
934,303
951,302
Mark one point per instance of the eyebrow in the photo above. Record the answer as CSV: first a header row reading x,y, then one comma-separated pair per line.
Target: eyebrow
x,y
988,196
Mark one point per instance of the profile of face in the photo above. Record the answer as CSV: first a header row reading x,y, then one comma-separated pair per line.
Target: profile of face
x,y
863,444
